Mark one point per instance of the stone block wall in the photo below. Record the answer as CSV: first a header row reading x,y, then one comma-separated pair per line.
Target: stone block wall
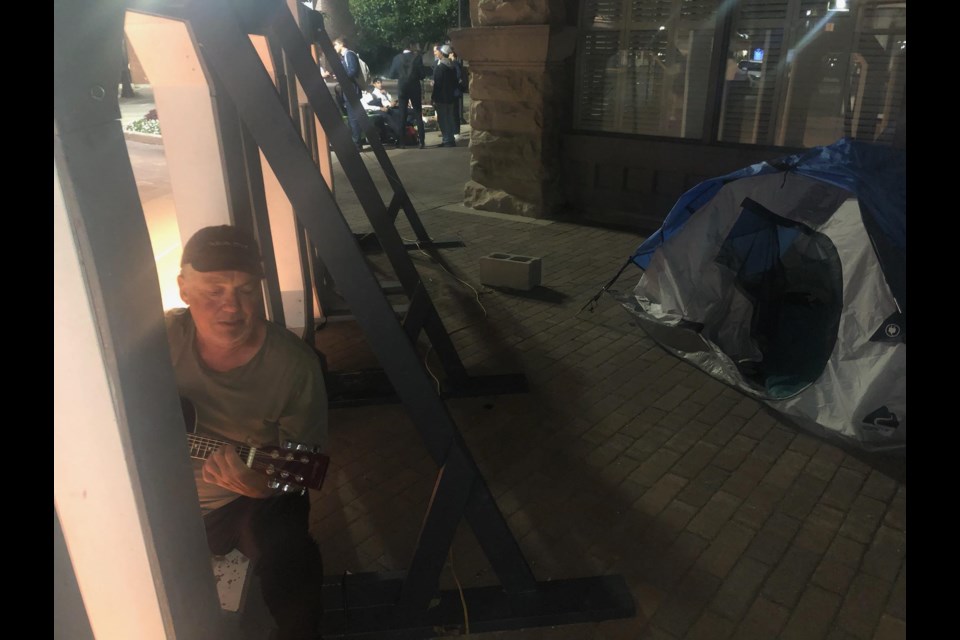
x,y
510,12
520,97
516,141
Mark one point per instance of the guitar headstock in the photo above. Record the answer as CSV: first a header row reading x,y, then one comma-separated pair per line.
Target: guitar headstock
x,y
292,467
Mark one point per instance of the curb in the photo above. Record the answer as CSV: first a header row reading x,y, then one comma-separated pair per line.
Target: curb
x,y
147,138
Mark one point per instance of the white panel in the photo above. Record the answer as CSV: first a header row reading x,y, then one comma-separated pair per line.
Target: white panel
x,y
92,488
282,225
185,108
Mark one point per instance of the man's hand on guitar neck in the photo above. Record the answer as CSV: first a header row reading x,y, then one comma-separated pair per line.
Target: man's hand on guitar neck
x,y
225,468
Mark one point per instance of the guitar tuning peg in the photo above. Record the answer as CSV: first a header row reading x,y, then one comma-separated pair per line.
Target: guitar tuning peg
x,y
290,488
273,483
299,446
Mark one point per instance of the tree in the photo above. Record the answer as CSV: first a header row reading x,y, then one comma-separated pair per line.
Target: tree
x,y
337,20
126,81
383,26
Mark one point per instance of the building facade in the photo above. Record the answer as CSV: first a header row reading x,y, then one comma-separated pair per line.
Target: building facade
x,y
613,108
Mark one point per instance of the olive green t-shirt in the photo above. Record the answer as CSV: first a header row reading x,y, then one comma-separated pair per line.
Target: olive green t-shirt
x,y
278,395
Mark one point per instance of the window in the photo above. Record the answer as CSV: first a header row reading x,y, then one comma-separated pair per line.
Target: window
x,y
643,66
796,73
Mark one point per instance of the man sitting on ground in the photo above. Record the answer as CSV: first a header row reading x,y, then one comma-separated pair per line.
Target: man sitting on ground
x,y
253,383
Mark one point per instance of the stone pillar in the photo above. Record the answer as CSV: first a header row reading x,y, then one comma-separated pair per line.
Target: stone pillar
x,y
520,98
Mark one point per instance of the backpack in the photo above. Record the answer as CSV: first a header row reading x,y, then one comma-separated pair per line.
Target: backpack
x,y
410,135
364,73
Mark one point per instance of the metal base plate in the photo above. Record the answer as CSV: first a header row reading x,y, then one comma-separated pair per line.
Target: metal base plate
x,y
372,387
488,385
369,243
361,606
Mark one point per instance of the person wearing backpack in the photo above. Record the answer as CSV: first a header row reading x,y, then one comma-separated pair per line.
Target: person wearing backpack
x,y
351,89
407,68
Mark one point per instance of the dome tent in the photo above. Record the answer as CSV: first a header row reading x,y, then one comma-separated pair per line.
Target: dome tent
x,y
787,281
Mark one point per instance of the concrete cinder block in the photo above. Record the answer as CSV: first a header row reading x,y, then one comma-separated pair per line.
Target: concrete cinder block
x,y
510,271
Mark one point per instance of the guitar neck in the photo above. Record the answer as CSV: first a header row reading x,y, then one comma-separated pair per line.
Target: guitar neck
x,y
201,447
294,467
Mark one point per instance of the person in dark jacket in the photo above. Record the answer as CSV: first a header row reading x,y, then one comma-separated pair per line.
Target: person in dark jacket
x,y
444,97
352,88
407,68
461,87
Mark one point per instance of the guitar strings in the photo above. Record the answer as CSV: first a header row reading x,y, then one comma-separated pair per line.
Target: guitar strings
x,y
204,446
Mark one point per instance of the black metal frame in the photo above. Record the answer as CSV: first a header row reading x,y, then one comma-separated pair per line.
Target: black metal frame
x,y
390,606
281,30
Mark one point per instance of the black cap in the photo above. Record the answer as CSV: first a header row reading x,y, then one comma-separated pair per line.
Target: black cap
x,y
222,248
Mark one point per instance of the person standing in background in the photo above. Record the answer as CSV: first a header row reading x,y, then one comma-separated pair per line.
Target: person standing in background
x,y
444,98
351,89
461,87
407,67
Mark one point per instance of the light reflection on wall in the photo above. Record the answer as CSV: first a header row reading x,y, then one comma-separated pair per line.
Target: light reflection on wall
x,y
161,218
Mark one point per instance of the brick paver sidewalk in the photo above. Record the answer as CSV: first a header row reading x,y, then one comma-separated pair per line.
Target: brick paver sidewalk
x,y
725,522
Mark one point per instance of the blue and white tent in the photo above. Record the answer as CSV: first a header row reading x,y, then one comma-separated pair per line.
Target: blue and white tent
x,y
787,280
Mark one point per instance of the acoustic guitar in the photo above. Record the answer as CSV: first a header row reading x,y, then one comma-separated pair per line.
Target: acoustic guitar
x,y
291,468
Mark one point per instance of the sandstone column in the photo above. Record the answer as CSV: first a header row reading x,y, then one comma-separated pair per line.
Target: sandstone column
x,y
521,92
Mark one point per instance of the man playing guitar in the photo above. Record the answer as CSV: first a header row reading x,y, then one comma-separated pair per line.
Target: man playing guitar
x,y
253,384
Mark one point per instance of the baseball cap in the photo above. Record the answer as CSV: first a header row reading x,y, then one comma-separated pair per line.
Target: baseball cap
x,y
446,49
222,248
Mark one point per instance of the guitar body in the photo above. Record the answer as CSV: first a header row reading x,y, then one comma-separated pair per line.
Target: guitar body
x,y
292,468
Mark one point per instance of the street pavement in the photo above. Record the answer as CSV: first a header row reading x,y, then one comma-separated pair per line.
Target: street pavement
x,y
724,521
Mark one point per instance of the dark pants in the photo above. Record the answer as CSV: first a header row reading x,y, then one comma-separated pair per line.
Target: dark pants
x,y
387,124
353,114
353,117
447,120
417,103
274,534
461,116
393,119
460,113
